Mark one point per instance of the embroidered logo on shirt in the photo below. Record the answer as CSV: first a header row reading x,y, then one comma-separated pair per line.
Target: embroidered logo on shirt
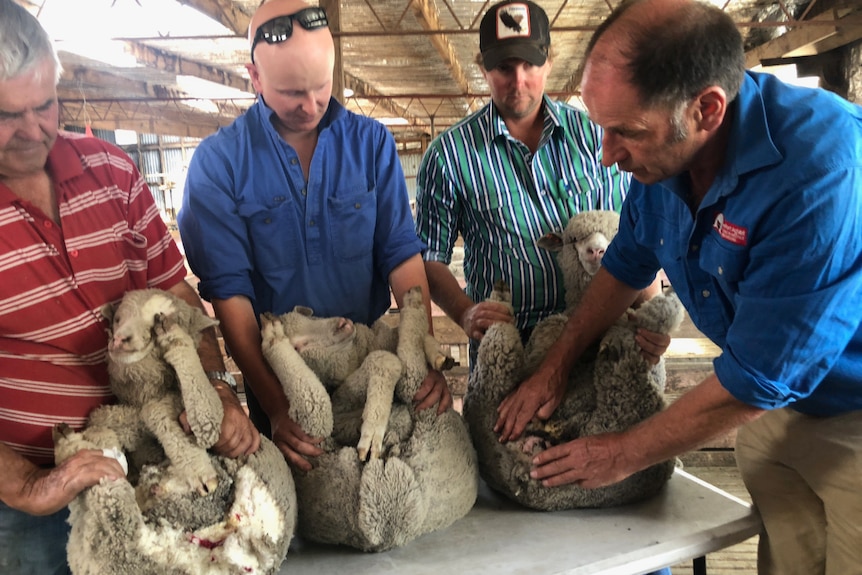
x,y
729,231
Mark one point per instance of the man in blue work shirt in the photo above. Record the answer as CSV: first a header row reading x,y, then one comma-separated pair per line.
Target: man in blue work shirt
x,y
298,202
748,192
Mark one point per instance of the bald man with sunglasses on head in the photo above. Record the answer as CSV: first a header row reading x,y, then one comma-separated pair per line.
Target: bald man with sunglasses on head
x,y
298,202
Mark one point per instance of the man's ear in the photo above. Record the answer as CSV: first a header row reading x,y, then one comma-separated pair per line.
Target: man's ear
x,y
254,75
711,108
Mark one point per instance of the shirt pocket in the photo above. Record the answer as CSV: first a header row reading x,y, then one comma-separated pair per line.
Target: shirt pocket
x,y
723,261
274,234
352,224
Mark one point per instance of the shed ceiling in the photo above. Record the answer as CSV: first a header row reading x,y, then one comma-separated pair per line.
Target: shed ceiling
x,y
407,59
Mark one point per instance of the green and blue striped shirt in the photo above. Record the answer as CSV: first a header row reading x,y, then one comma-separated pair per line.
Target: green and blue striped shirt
x,y
476,180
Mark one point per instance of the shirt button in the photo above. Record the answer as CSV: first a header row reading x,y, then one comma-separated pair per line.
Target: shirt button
x,y
661,241
48,224
304,192
357,205
293,161
705,293
267,221
720,270
311,223
694,247
73,253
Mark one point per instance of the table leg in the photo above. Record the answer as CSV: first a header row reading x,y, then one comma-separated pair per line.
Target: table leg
x,y
698,566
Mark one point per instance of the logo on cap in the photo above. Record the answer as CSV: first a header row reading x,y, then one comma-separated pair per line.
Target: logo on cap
x,y
513,21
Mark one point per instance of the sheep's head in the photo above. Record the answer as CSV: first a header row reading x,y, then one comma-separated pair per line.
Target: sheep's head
x,y
308,333
130,337
588,234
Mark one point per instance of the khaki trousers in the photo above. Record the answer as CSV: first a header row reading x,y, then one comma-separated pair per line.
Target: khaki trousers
x,y
804,475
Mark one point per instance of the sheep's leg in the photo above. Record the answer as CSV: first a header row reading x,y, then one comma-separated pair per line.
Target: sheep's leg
x,y
411,350
499,363
189,462
108,427
115,426
626,385
628,389
68,442
436,355
310,405
382,371
203,405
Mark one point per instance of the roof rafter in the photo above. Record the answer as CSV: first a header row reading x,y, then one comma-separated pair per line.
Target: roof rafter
x,y
169,62
809,40
428,17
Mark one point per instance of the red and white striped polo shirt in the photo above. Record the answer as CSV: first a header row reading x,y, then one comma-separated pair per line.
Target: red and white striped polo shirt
x,y
54,280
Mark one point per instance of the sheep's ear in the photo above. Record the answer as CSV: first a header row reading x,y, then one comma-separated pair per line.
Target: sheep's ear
x,y
107,311
553,242
302,310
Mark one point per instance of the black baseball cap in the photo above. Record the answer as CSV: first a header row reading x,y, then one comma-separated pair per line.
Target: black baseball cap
x,y
513,29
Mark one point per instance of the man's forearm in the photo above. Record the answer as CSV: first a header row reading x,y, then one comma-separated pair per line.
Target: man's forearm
x,y
604,302
703,413
14,470
208,348
242,336
446,292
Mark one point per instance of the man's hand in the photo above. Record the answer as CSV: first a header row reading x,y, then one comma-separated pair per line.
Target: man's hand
x,y
479,317
590,462
537,396
434,390
238,436
653,345
293,442
46,491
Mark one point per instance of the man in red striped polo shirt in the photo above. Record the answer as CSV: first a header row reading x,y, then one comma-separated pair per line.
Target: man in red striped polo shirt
x,y
78,228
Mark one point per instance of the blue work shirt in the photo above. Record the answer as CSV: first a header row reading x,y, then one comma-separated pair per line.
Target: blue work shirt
x,y
770,268
251,225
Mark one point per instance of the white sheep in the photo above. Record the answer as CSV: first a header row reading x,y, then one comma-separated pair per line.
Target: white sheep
x,y
181,510
389,474
610,388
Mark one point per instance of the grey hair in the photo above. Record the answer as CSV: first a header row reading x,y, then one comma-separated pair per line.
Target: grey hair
x,y
24,43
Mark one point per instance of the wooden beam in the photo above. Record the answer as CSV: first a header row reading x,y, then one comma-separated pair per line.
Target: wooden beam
x,y
110,81
168,62
427,16
142,117
808,40
361,89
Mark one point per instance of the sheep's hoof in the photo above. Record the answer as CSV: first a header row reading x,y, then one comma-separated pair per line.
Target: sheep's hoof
x,y
443,362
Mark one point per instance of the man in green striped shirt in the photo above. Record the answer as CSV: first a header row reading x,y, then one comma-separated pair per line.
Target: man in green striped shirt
x,y
506,175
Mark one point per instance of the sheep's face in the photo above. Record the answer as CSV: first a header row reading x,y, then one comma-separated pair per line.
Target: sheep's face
x,y
309,333
131,332
591,250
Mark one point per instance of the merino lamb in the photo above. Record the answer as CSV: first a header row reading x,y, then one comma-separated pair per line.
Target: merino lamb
x,y
181,510
611,387
389,474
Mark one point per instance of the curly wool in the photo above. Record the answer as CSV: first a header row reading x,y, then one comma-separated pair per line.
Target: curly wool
x,y
182,510
610,388
388,473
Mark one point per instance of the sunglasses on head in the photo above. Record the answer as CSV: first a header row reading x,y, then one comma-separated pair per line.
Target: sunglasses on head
x,y
280,28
